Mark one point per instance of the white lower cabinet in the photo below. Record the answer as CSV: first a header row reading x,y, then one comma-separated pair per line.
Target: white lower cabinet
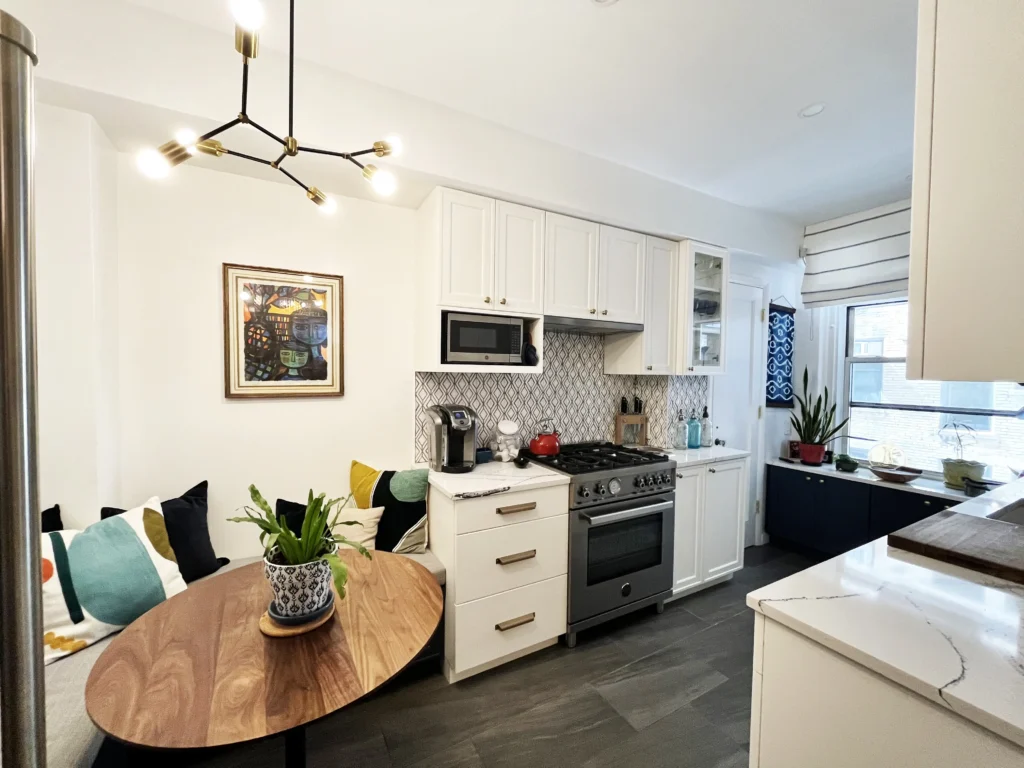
x,y
710,510
506,558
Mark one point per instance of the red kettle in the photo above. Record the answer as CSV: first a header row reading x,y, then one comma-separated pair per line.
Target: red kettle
x,y
546,443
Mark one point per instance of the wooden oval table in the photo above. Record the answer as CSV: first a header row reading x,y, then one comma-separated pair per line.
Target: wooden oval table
x,y
196,671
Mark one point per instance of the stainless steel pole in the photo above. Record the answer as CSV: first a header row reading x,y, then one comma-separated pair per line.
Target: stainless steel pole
x,y
22,702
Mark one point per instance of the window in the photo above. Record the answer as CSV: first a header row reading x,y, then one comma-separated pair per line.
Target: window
x,y
916,416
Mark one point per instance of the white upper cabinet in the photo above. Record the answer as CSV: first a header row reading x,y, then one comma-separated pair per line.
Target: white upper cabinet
x,y
467,250
703,304
621,285
570,283
967,209
723,521
660,307
519,259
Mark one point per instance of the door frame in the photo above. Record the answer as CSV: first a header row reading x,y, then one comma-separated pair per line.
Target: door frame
x,y
757,452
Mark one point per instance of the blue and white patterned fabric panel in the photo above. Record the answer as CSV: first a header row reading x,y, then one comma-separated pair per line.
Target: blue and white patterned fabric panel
x,y
781,334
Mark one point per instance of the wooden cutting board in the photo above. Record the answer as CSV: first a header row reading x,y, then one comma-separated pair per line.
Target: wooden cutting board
x,y
978,543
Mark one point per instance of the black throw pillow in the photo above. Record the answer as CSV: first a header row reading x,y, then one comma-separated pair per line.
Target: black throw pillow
x,y
188,532
51,519
293,514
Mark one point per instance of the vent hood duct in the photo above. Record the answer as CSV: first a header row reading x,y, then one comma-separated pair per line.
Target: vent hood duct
x,y
595,326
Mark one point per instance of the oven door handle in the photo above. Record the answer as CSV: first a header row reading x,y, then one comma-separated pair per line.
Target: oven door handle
x,y
626,514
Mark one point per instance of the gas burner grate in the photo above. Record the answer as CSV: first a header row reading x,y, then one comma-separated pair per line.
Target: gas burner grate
x,y
580,458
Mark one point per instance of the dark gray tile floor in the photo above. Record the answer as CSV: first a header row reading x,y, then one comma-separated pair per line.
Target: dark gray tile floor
x,y
645,690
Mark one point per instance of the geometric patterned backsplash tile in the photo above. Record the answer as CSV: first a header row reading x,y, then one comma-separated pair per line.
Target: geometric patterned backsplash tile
x,y
573,390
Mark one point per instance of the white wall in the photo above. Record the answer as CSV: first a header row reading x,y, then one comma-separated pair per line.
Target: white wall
x,y
76,257
176,426
194,72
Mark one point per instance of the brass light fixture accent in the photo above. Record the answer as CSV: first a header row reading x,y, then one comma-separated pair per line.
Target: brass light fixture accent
x,y
249,17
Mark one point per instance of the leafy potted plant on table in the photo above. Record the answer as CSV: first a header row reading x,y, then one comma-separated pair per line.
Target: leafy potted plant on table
x,y
816,426
300,568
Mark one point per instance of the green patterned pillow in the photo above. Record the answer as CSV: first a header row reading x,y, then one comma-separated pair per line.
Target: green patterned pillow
x,y
98,581
403,495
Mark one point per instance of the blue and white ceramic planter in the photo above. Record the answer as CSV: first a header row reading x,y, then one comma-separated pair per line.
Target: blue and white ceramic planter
x,y
299,590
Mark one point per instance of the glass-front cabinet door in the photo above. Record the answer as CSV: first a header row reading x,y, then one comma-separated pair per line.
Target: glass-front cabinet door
x,y
704,275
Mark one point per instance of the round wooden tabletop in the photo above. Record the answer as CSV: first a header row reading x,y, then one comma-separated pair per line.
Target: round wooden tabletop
x,y
197,672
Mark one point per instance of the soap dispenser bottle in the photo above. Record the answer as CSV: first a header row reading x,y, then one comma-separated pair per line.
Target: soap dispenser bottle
x,y
680,433
693,431
705,430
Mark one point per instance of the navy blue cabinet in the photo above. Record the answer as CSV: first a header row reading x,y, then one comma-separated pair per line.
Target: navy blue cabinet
x,y
832,515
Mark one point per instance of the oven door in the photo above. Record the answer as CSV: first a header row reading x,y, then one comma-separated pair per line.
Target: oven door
x,y
620,553
481,339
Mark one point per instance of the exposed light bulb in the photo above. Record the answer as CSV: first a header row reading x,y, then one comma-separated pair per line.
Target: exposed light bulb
x,y
248,14
187,138
152,163
328,207
384,183
395,142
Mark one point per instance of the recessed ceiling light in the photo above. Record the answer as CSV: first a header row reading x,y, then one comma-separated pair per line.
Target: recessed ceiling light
x,y
811,110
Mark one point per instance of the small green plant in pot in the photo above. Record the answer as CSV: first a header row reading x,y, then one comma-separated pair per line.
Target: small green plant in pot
x,y
300,568
956,434
816,426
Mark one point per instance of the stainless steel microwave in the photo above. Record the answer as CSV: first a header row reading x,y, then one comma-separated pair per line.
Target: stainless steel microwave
x,y
481,339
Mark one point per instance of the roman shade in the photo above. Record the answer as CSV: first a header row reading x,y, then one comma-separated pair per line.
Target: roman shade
x,y
861,257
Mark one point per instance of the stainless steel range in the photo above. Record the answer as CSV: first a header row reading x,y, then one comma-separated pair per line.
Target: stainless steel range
x,y
621,528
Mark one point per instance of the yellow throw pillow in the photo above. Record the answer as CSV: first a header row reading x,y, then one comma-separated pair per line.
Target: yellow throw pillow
x,y
362,479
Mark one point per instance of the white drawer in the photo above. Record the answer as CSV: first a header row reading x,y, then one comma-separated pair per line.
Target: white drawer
x,y
482,628
500,559
510,508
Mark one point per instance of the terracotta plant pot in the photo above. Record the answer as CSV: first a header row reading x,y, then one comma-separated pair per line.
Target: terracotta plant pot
x,y
299,590
811,454
955,470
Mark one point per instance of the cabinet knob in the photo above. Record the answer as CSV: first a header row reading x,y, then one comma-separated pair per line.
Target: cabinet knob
x,y
712,470
808,478
821,481
502,301
690,368
604,311
487,299
650,367
593,311
927,503
679,475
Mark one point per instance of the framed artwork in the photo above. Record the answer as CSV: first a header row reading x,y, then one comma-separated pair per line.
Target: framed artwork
x,y
283,333
781,335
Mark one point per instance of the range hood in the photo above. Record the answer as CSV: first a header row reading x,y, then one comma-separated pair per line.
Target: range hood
x,y
594,326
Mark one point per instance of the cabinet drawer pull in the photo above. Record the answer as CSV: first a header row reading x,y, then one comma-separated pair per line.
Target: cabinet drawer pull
x,y
808,478
505,626
821,481
927,503
516,508
516,558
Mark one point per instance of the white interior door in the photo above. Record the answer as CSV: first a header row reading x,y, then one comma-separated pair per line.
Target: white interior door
x,y
739,392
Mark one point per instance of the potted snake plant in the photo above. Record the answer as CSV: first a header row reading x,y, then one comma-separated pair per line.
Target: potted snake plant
x,y
816,425
300,568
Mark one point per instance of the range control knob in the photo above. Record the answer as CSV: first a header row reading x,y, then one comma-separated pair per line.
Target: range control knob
x,y
599,487
640,482
584,492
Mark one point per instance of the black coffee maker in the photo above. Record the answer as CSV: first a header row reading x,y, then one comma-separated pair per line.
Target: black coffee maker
x,y
452,438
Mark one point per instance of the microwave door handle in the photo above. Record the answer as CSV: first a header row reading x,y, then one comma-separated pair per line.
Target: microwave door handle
x,y
626,514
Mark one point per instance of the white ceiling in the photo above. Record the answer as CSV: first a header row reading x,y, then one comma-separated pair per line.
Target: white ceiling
x,y
704,93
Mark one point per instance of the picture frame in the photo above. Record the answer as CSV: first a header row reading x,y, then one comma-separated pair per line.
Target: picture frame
x,y
284,333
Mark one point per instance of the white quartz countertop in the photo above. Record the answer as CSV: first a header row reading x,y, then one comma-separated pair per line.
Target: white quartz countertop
x,y
951,635
705,455
923,485
495,476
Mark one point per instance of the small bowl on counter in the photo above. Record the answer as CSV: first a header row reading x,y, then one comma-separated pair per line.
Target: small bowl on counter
x,y
846,463
893,474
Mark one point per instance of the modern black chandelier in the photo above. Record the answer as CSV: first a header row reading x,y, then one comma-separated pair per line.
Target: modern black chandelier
x,y
249,17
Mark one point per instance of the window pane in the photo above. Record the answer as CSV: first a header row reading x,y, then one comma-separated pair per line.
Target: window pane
x,y
1001,446
879,330
887,383
969,394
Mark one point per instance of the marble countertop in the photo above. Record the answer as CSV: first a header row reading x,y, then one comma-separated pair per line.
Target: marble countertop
x,y
923,485
951,635
497,476
705,455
